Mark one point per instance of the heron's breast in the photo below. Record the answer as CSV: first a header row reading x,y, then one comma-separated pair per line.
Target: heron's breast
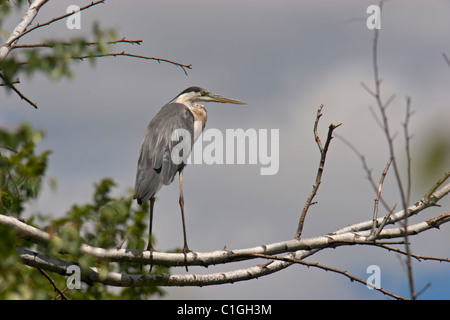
x,y
200,117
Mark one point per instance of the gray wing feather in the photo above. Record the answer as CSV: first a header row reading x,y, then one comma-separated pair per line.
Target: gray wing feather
x,y
155,166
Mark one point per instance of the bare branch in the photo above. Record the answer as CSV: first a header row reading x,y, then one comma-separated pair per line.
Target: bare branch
x,y
89,43
404,195
19,93
423,289
429,194
377,199
61,293
383,223
326,268
365,166
369,91
377,120
4,84
125,54
323,153
418,257
409,113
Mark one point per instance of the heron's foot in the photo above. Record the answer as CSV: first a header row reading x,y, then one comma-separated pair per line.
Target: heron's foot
x,y
185,251
151,249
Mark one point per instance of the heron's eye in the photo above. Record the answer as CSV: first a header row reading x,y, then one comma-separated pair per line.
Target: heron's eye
x,y
202,93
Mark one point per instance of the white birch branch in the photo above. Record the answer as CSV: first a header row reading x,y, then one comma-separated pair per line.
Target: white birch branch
x,y
21,27
355,234
59,266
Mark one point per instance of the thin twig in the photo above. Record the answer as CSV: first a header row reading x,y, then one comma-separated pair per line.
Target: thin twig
x,y
423,289
323,152
377,120
19,93
409,113
123,53
430,192
406,196
383,222
365,166
59,295
326,268
63,296
377,198
418,257
88,43
4,84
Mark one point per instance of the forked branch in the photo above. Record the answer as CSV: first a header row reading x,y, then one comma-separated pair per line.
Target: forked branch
x,y
323,154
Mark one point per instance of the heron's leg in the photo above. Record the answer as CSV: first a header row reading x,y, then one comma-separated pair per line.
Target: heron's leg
x,y
150,242
185,247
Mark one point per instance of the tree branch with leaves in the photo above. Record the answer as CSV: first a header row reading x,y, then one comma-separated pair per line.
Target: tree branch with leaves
x,y
91,236
56,60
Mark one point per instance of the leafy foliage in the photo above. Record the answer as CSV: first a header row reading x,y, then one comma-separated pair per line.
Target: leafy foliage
x,y
21,169
104,222
55,57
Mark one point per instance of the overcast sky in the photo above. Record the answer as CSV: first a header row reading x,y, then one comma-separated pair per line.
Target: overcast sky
x,y
284,58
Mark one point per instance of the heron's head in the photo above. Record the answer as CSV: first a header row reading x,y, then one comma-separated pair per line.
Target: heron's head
x,y
194,94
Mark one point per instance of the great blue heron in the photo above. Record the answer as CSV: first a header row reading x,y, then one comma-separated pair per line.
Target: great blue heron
x,y
155,165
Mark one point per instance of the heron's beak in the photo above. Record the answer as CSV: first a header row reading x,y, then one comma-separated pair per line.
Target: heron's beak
x,y
212,97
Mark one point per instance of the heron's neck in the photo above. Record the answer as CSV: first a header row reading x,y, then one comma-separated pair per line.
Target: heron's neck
x,y
200,117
